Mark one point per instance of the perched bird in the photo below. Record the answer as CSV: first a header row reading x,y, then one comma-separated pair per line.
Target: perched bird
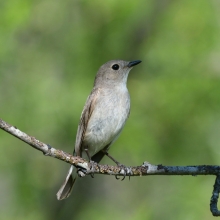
x,y
103,117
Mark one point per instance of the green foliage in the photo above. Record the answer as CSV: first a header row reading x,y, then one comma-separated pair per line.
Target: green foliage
x,y
49,54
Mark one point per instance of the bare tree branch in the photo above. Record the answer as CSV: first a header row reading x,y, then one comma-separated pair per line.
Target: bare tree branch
x,y
90,168
214,198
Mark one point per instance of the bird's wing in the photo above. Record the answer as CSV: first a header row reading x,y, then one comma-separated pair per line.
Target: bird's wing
x,y
85,116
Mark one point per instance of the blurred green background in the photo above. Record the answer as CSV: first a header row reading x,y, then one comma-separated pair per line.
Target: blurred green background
x,y
49,54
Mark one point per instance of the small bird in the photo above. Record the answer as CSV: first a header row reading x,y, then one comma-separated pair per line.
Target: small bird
x,y
103,117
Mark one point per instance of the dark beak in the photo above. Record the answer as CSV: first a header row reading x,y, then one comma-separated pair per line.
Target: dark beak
x,y
133,63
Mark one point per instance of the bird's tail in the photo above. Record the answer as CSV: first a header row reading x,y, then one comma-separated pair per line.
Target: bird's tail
x,y
66,188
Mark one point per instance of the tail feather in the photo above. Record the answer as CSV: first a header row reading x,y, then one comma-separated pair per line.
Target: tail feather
x,y
66,188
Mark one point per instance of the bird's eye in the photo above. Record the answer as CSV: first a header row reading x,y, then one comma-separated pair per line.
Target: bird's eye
x,y
115,67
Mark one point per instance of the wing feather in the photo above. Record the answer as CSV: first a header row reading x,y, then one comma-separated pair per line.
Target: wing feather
x,y
85,116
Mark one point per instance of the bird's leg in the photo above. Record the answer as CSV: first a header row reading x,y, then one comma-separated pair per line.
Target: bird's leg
x,y
113,159
87,153
122,167
90,161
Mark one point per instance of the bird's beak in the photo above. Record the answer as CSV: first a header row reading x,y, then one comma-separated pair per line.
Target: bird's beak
x,y
133,63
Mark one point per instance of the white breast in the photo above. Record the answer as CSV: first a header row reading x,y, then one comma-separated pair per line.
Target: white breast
x,y
107,120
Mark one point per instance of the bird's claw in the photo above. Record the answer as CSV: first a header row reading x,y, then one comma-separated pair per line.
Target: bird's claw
x,y
116,177
81,172
92,167
123,170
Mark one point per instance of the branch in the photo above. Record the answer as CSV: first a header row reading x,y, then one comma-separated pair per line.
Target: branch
x,y
214,198
90,168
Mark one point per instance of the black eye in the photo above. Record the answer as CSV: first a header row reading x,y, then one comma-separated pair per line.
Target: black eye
x,y
115,67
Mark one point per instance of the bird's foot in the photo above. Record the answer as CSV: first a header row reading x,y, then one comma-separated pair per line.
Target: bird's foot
x,y
93,166
81,172
125,171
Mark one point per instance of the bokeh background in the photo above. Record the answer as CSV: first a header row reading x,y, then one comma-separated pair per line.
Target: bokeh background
x,y
49,54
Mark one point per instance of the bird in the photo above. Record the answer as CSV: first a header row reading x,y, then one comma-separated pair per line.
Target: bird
x,y
103,117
